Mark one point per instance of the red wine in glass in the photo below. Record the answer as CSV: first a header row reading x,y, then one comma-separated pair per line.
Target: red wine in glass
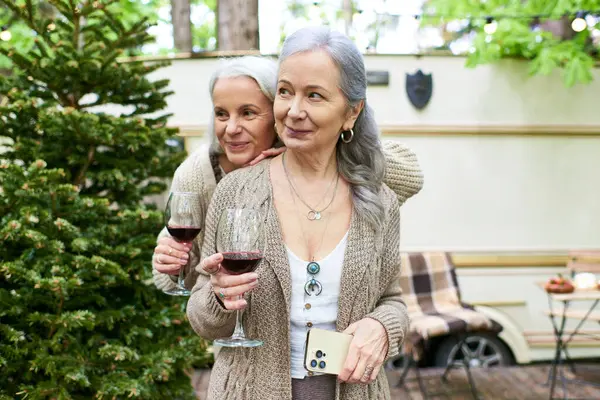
x,y
237,263
184,233
184,217
241,240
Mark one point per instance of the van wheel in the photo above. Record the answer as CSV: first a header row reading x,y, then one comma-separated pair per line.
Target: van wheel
x,y
398,363
481,350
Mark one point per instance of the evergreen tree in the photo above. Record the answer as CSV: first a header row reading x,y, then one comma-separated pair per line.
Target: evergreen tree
x,y
79,315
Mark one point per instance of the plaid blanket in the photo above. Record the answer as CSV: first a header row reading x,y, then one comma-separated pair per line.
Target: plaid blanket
x,y
430,290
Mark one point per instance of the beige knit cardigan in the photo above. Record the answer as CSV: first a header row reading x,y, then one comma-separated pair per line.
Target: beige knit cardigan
x,y
369,288
403,175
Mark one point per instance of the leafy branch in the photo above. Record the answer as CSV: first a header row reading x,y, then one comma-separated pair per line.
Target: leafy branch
x,y
538,31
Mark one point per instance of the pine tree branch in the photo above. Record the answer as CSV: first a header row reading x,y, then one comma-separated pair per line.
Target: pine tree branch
x,y
53,200
10,206
30,10
84,168
122,34
76,27
41,48
61,304
73,5
13,7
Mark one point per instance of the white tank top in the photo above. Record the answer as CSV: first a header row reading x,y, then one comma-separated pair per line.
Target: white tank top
x,y
313,311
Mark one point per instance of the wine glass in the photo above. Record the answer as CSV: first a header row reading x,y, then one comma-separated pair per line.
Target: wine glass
x,y
184,215
241,241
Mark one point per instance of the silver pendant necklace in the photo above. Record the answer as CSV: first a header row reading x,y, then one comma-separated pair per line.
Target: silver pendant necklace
x,y
313,214
312,285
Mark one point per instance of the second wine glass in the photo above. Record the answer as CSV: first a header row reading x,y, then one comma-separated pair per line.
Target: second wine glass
x,y
184,217
241,241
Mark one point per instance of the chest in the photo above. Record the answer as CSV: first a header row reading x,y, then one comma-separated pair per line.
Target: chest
x,y
312,239
316,286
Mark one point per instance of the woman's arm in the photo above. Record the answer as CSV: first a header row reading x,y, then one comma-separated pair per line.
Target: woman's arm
x,y
206,314
390,310
403,174
379,335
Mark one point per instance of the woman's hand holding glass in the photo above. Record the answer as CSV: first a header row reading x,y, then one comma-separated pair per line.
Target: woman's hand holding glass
x,y
170,255
240,242
228,288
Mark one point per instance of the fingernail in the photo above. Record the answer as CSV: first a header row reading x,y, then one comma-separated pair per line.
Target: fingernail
x,y
183,262
253,276
254,283
186,256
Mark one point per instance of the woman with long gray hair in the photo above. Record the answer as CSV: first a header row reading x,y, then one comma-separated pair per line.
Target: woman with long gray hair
x,y
241,132
331,223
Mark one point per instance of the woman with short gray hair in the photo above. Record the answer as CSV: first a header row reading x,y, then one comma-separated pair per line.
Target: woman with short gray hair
x,y
332,227
241,128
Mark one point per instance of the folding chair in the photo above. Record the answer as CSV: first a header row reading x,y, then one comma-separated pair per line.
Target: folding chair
x,y
579,261
431,292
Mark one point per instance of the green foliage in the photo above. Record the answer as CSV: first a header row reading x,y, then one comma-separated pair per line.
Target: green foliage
x,y
132,10
79,315
22,37
515,36
129,12
204,35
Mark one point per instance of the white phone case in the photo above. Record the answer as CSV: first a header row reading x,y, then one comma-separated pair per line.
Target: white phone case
x,y
326,351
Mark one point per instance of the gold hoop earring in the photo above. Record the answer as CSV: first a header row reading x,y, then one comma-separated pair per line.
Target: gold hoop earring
x,y
343,136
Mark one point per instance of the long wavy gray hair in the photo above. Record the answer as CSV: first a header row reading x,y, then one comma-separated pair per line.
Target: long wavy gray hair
x,y
361,162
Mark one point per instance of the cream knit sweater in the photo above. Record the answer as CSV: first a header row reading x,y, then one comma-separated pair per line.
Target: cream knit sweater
x,y
369,288
195,174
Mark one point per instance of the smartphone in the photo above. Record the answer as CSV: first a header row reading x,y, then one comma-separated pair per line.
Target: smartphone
x,y
326,351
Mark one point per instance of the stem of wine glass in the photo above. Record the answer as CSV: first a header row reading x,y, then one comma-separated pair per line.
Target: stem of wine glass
x,y
181,277
238,332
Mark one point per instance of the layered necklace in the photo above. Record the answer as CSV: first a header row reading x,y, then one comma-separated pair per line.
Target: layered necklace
x,y
313,214
312,285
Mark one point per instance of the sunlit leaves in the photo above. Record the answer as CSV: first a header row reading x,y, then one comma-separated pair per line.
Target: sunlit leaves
x,y
520,33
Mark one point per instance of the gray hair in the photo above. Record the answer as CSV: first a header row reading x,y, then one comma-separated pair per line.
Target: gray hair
x,y
361,162
262,70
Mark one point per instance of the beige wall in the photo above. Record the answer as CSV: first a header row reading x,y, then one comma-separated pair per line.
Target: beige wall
x,y
505,193
501,174
501,95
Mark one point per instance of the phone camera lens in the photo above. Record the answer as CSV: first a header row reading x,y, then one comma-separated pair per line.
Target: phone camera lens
x,y
322,364
313,363
319,354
